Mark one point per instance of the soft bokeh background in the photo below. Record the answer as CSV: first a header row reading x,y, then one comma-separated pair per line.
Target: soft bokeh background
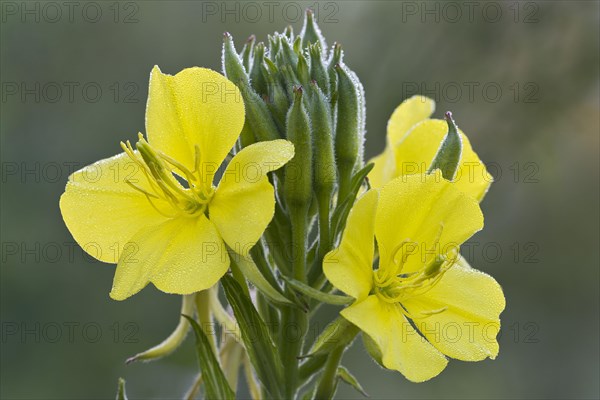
x,y
62,337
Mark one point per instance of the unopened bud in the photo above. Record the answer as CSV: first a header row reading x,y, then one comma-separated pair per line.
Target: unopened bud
x,y
448,155
349,131
317,68
322,133
298,171
247,51
257,114
310,31
288,56
336,58
277,100
302,72
257,78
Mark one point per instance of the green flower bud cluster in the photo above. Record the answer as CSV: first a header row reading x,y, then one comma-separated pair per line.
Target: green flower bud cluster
x,y
295,87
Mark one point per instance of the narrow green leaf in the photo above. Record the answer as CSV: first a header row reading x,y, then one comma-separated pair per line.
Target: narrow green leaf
x,y
214,379
252,273
335,299
260,347
347,377
121,394
340,332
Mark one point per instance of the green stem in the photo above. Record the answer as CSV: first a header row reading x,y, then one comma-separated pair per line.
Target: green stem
x,y
294,321
324,242
345,181
328,382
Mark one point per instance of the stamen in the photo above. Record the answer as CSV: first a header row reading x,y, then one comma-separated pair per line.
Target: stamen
x,y
158,170
134,186
188,174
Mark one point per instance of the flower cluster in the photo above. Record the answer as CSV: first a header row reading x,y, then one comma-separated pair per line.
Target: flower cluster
x,y
254,183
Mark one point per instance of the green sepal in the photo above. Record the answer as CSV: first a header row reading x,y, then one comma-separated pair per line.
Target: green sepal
x,y
346,376
215,382
121,393
448,155
339,332
334,299
373,350
257,339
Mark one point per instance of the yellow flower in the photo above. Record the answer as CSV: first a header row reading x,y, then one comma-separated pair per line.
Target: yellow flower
x,y
154,209
412,142
418,222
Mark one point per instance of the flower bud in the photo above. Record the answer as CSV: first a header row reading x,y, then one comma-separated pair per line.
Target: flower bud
x,y
298,171
302,72
322,133
311,34
288,32
337,56
349,128
257,77
257,114
318,71
247,52
277,99
448,155
288,56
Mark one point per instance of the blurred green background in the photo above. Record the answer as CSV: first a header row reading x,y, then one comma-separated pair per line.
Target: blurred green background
x,y
520,77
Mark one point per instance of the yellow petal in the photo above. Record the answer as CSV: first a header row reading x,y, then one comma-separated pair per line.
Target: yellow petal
x,y
415,152
102,212
404,117
424,209
402,348
407,114
197,106
181,256
350,267
467,329
384,168
244,202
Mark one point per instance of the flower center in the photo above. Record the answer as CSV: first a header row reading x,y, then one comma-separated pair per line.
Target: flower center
x,y
393,286
159,170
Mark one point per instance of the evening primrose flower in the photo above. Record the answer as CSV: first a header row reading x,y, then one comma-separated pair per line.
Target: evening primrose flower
x,y
154,210
412,142
423,301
